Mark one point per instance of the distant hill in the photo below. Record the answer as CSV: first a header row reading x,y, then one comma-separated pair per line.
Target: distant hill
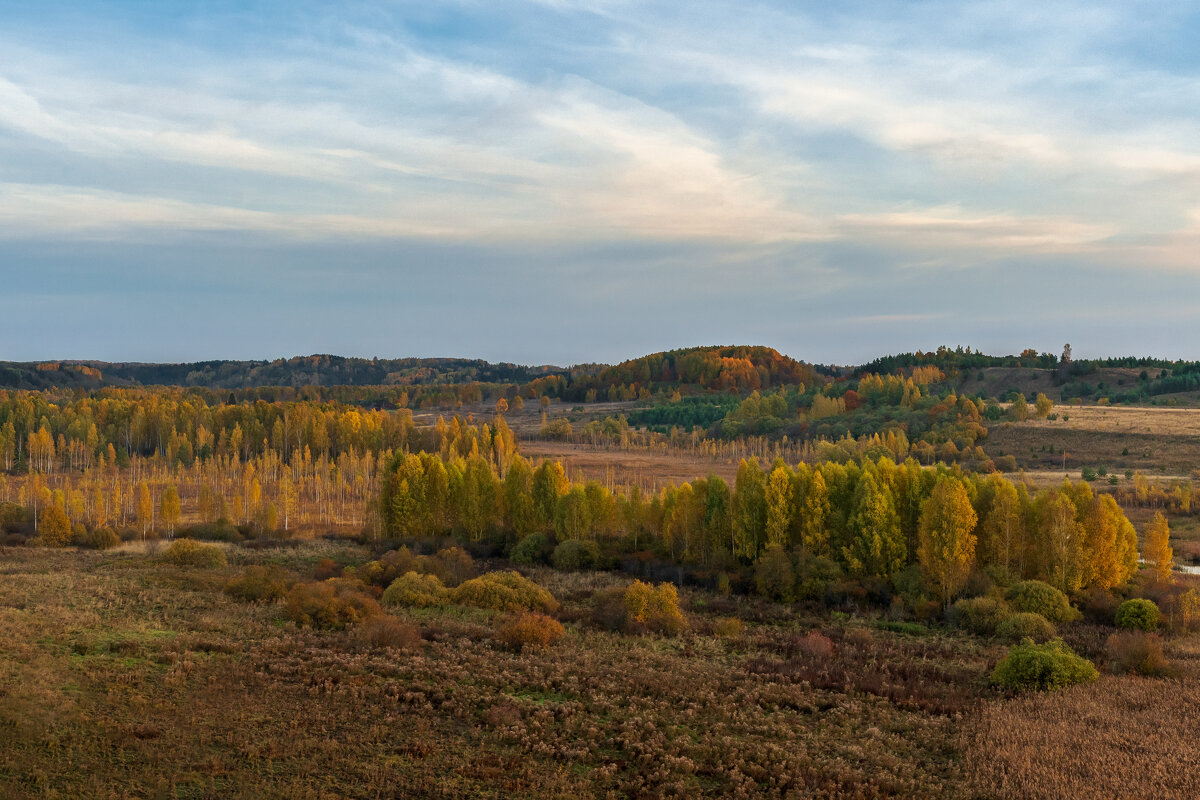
x,y
740,369
734,368
315,370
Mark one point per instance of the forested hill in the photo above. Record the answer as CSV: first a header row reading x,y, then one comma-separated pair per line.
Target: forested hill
x,y
739,368
315,370
700,369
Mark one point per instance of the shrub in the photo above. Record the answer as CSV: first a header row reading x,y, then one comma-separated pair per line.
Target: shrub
x,y
1099,605
14,518
727,627
530,629
189,553
530,550
1138,614
504,591
415,590
328,568
1137,652
388,567
608,608
387,631
980,615
453,565
1026,626
1036,597
1052,665
815,644
654,609
101,538
258,584
333,604
574,555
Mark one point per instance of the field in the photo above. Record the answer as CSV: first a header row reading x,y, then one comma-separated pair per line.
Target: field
x,y
119,664
1158,441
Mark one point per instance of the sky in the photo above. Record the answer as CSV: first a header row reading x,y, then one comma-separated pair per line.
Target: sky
x,y
567,182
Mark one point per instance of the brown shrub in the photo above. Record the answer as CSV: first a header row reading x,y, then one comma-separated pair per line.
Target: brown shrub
x,y
530,629
814,643
1136,652
387,631
258,584
328,568
334,604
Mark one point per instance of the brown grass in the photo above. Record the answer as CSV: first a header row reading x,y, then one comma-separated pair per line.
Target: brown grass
x,y
1121,737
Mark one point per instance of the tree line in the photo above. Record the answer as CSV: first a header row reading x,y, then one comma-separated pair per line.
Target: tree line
x,y
869,519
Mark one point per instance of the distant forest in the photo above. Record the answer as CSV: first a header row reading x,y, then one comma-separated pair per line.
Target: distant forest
x,y
725,370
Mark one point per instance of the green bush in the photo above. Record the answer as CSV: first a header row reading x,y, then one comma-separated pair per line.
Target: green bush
x,y
332,605
1052,665
189,553
258,584
1026,626
505,591
980,615
1138,614
575,555
1036,597
415,590
530,550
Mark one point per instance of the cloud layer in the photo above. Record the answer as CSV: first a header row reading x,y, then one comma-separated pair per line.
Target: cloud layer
x,y
897,174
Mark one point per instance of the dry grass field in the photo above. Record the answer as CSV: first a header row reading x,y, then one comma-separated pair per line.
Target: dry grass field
x,y
1153,440
125,676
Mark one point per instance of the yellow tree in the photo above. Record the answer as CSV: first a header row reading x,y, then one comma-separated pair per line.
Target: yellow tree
x,y
1105,531
814,530
169,508
946,538
56,528
1003,529
1061,542
779,506
145,509
1157,548
1043,404
287,496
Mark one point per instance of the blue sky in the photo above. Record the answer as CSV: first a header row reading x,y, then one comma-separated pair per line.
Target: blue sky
x,y
566,182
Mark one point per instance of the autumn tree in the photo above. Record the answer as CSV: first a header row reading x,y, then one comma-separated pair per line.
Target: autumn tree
x,y
572,518
1019,410
549,483
55,530
1061,542
1157,548
875,545
1043,404
749,509
1003,529
520,516
169,508
779,507
946,538
814,516
145,508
